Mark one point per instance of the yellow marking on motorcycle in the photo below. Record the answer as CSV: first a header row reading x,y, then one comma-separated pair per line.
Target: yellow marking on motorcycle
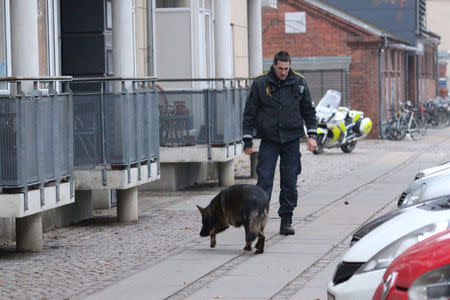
x,y
357,117
342,126
336,132
320,130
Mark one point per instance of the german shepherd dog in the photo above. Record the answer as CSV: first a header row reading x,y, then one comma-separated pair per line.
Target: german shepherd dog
x,y
237,205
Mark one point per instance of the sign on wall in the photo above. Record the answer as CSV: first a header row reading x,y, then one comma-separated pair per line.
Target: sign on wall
x,y
295,22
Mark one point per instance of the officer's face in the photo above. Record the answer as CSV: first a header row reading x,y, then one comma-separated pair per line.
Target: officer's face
x,y
282,69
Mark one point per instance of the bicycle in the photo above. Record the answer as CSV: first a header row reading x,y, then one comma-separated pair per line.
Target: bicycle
x,y
415,128
405,122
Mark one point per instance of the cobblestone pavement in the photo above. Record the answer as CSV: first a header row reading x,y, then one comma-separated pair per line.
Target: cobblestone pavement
x,y
82,258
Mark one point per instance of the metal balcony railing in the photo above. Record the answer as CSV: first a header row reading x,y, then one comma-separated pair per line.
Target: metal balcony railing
x,y
35,132
204,111
116,122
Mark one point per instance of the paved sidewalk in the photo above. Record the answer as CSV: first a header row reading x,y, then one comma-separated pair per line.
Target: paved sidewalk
x,y
162,254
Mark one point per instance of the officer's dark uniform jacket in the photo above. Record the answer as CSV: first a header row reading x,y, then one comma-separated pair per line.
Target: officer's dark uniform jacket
x,y
277,109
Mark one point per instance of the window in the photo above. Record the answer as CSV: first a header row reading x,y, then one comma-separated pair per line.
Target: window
x,y
43,38
108,14
205,4
209,45
205,37
295,22
269,3
173,3
109,63
393,90
4,71
48,47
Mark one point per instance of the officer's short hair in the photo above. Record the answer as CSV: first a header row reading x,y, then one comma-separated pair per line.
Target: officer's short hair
x,y
281,56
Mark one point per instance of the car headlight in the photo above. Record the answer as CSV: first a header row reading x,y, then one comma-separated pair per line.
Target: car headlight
x,y
434,284
385,256
415,195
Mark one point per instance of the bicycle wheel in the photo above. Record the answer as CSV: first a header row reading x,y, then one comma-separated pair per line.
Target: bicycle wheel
x,y
399,130
386,133
423,125
442,118
414,130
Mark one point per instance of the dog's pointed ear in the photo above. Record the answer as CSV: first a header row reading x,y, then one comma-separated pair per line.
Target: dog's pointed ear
x,y
201,209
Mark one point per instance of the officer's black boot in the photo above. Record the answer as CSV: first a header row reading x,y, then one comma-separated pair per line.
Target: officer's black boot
x,y
286,223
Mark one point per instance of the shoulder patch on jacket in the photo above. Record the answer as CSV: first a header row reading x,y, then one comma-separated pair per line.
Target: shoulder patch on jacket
x,y
298,74
257,76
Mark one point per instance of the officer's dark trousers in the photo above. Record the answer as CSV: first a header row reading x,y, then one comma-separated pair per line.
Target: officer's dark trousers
x,y
290,168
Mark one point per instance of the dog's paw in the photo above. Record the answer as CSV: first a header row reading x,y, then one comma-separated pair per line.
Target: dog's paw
x,y
212,245
259,251
259,245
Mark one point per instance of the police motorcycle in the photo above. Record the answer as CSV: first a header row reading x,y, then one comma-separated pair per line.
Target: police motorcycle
x,y
337,126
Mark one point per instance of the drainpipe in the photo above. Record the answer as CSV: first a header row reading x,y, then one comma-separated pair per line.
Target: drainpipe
x,y
407,54
380,50
436,70
416,62
150,68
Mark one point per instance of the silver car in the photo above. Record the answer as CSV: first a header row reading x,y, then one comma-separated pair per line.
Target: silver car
x,y
431,171
431,184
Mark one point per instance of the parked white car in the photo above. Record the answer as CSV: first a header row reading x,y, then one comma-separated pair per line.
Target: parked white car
x,y
363,265
433,185
430,171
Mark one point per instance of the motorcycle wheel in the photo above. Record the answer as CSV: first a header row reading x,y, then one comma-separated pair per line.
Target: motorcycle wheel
x,y
347,148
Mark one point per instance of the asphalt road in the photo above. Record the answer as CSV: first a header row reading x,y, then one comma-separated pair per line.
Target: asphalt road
x,y
162,256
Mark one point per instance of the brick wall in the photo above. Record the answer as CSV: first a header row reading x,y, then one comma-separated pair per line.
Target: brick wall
x,y
322,37
364,82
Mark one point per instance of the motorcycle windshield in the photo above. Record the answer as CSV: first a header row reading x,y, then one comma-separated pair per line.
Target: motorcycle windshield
x,y
331,99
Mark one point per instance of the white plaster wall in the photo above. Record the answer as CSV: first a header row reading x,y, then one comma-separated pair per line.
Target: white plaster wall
x,y
238,17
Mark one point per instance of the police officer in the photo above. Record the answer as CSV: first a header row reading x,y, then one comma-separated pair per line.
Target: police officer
x,y
278,103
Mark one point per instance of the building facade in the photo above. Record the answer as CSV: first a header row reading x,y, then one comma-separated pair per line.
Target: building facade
x,y
406,19
437,16
374,69
334,50
126,41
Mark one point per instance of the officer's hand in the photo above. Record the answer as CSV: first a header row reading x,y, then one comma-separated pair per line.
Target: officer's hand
x,y
311,144
249,150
